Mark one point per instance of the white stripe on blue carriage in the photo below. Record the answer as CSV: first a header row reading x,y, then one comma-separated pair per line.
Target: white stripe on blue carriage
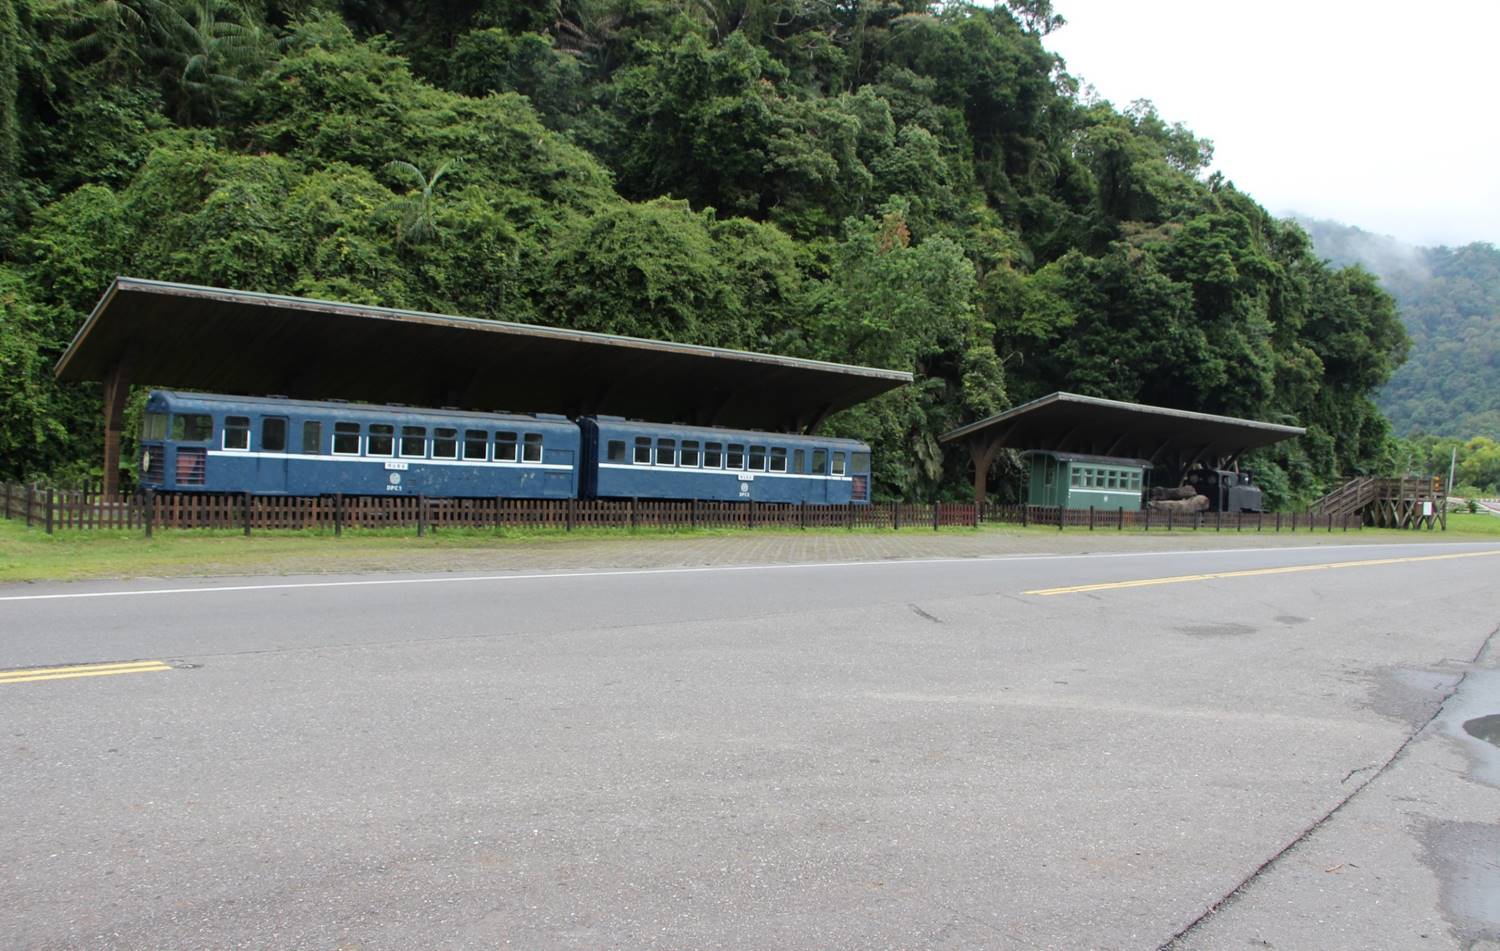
x,y
401,461
699,470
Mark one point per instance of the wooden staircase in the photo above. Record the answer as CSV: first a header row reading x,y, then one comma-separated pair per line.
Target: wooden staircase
x,y
1382,502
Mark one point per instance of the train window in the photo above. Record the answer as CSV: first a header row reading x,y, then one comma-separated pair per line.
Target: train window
x,y
444,443
273,434
666,452
192,427
312,436
758,458
476,444
1075,477
414,441
838,463
505,447
532,447
382,440
778,459
713,455
820,462
616,451
154,426
799,459
346,439
236,432
735,457
859,462
1114,479
1135,480
689,453
642,451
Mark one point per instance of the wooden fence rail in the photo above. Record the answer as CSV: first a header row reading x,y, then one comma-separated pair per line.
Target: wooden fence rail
x,y
90,509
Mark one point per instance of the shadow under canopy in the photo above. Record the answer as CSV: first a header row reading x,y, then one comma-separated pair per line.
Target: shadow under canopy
x,y
1172,439
228,341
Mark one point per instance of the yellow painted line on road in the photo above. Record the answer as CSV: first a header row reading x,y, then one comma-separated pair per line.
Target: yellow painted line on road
x,y
32,674
1253,572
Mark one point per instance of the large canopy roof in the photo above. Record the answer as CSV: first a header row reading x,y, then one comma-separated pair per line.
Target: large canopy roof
x,y
1067,422
227,341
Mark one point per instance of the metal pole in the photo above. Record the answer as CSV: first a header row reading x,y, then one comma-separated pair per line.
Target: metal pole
x,y
1448,489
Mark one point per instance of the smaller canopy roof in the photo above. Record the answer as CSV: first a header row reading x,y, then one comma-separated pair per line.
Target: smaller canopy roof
x,y
1068,422
230,341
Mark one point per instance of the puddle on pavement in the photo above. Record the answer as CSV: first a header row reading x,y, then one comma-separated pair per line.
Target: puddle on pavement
x,y
1485,728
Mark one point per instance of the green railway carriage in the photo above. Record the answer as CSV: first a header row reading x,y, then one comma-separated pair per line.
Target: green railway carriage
x,y
1075,481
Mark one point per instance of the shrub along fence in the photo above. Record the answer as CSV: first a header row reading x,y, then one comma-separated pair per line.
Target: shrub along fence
x,y
87,509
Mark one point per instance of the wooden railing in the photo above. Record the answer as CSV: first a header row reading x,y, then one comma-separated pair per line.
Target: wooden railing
x,y
89,509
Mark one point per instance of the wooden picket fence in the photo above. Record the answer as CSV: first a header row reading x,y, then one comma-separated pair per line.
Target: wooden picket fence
x,y
90,509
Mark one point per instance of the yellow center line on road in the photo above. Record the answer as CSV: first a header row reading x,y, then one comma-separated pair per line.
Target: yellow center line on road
x,y
1252,572
32,674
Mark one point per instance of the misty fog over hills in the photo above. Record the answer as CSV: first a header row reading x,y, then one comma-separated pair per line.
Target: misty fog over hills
x,y
1449,300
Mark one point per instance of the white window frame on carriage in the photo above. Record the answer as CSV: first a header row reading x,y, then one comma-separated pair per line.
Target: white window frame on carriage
x,y
224,434
358,434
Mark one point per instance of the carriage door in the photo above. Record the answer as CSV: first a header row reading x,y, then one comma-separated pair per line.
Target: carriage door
x,y
271,460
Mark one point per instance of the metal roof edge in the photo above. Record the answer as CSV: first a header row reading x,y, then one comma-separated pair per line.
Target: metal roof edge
x,y
1065,397
123,283
88,324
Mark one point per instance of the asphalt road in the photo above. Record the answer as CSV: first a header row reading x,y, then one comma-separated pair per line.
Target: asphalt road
x,y
1210,749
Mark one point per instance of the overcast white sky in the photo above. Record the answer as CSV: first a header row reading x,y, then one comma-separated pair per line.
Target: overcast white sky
x,y
1373,113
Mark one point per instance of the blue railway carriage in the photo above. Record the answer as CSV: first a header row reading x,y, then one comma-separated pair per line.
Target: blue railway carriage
x,y
197,442
632,459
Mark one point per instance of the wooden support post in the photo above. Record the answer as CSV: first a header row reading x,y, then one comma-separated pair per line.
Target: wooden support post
x,y
1148,519
338,514
7,500
635,504
849,515
1061,515
895,516
1260,518
150,511
1025,515
934,516
246,500
116,391
1169,520
693,513
51,501
30,495
572,512
421,515
1091,518
977,510
1218,520
802,514
1278,521
1120,516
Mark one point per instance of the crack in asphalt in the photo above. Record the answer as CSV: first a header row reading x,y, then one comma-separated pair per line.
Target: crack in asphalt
x,y
1229,897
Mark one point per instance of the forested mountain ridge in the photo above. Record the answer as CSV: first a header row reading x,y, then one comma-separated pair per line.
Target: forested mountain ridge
x,y
1449,300
896,184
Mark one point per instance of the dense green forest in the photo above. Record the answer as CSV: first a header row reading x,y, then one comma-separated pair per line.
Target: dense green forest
x,y
1449,299
902,184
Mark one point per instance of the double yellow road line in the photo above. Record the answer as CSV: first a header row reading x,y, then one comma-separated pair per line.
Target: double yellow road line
x,y
1253,572
32,674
